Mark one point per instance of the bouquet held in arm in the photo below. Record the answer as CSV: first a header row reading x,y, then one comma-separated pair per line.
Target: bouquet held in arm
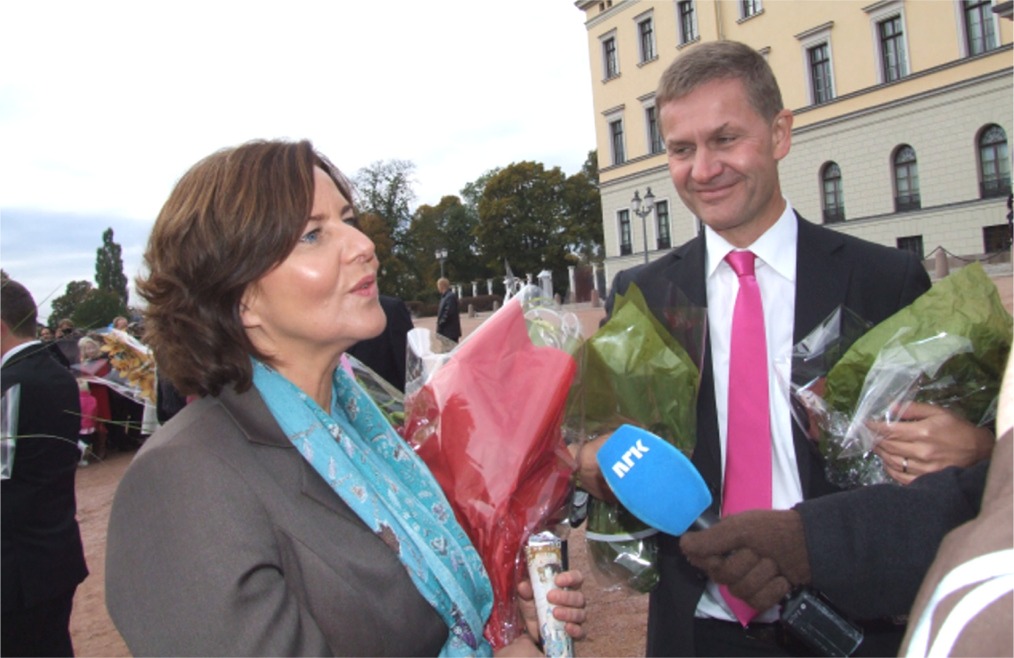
x,y
486,417
641,367
947,348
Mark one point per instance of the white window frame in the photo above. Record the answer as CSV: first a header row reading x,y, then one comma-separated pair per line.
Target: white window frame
x,y
878,13
611,34
619,231
612,116
744,16
811,39
647,105
647,16
680,41
963,36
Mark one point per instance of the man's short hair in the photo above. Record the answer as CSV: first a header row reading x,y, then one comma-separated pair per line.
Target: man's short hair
x,y
722,60
17,309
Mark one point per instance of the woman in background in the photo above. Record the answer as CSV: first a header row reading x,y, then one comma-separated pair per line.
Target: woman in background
x,y
280,514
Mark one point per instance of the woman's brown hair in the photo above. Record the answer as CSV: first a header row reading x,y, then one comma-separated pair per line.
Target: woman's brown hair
x,y
231,218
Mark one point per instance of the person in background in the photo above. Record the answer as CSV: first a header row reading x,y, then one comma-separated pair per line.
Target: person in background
x,y
49,340
448,315
120,322
66,339
387,353
280,514
42,559
767,277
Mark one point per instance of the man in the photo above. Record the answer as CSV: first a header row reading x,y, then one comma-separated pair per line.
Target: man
x,y
448,317
42,557
386,354
725,131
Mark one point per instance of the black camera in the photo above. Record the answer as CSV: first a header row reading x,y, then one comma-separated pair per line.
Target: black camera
x,y
818,625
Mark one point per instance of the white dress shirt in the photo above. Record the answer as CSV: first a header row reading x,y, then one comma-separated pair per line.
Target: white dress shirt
x,y
776,275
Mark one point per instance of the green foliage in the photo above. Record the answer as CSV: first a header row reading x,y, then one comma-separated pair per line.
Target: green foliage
x,y
384,188
109,268
98,309
65,305
522,214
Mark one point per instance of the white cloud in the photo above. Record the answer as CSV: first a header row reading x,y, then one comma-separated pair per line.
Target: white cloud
x,y
104,105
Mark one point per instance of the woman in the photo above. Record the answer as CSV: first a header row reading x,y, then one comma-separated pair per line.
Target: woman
x,y
280,514
95,363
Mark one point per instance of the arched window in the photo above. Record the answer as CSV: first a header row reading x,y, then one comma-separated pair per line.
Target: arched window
x,y
994,165
906,180
833,197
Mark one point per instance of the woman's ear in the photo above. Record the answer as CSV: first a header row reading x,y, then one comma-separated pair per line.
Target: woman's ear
x,y
248,308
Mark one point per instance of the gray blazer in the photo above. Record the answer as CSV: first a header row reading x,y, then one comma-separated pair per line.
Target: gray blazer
x,y
224,541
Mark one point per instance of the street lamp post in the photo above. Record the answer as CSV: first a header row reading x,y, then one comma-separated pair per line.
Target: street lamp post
x,y
441,255
649,205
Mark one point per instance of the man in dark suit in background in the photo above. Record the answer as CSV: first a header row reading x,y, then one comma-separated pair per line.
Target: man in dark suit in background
x,y
725,130
448,316
386,354
42,556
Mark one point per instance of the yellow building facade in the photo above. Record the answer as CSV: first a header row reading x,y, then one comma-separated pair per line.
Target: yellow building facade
x,y
903,114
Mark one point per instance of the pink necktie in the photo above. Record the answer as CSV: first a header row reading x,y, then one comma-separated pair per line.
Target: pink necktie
x,y
748,442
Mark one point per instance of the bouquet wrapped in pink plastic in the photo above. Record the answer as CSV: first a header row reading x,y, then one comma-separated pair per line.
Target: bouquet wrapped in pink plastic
x,y
486,418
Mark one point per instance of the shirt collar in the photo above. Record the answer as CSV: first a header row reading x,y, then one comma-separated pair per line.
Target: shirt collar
x,y
776,247
16,349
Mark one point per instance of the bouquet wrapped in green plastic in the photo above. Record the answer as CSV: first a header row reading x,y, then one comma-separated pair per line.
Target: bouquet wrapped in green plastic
x,y
947,348
636,369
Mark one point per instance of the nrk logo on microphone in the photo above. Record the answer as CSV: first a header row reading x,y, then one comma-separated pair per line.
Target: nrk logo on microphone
x,y
653,480
626,462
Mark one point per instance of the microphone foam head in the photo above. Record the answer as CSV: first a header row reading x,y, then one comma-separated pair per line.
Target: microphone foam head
x,y
653,480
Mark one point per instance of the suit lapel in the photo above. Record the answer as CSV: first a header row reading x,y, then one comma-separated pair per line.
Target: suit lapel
x,y
260,427
822,277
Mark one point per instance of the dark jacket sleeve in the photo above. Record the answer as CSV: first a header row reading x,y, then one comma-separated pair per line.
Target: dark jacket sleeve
x,y
870,548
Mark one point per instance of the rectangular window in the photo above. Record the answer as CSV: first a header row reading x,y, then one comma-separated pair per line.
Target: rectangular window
x,y
610,60
646,34
892,49
996,238
626,247
688,22
616,140
654,132
662,227
748,8
980,31
912,243
820,73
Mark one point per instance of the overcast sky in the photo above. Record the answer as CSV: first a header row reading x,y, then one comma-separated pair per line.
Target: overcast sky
x,y
104,105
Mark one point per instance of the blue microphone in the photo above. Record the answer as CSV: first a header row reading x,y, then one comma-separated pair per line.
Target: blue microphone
x,y
655,481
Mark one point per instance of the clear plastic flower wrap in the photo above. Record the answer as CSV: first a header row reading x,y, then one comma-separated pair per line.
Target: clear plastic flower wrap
x,y
641,367
947,348
132,372
486,417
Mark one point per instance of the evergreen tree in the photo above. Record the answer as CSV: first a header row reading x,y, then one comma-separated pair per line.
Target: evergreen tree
x,y
109,274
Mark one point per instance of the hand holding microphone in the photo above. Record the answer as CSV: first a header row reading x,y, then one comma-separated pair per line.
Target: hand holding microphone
x,y
761,555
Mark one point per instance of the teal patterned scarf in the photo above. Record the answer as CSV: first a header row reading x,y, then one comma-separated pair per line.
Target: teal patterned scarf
x,y
380,477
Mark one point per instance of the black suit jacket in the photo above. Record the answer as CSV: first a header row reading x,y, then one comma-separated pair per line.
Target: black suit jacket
x,y
42,555
386,354
448,316
832,269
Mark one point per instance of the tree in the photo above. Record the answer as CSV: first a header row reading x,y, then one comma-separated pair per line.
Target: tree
x,y
64,305
98,309
521,218
448,225
109,268
384,188
583,220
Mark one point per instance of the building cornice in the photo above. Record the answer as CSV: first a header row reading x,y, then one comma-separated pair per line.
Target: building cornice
x,y
873,109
